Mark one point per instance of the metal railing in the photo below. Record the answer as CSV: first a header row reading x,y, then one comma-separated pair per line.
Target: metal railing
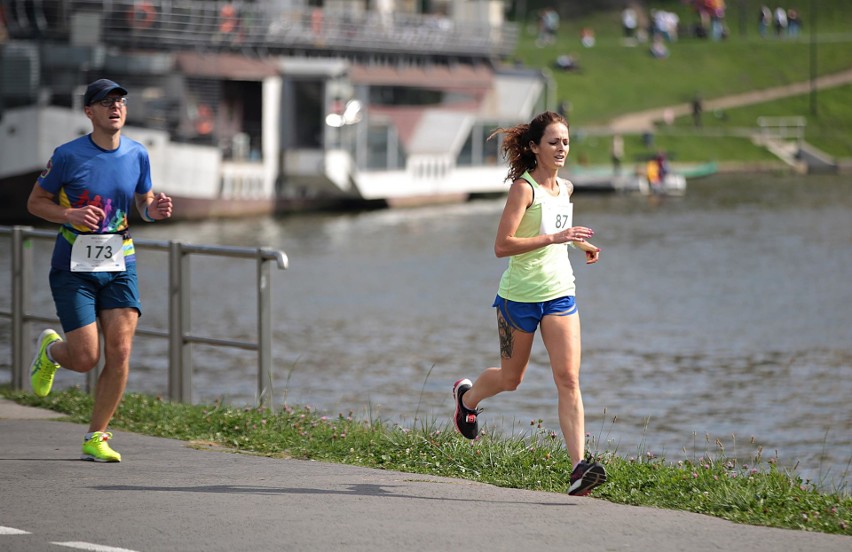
x,y
780,128
263,25
178,332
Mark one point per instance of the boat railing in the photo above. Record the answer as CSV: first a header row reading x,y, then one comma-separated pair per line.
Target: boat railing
x,y
258,26
243,180
178,333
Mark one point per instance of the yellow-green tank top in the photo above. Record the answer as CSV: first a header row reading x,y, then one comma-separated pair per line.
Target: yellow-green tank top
x,y
542,274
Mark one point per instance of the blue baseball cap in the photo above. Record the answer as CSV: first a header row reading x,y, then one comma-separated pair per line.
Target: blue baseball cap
x,y
99,90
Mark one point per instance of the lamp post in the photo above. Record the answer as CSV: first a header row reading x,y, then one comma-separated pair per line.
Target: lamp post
x,y
813,52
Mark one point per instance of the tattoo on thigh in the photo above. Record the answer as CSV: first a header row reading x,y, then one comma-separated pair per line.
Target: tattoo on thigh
x,y
507,339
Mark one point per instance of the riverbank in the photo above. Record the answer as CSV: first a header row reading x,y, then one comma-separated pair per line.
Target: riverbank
x,y
755,493
844,166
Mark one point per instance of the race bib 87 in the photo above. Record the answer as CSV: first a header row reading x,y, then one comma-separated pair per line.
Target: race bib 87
x,y
556,216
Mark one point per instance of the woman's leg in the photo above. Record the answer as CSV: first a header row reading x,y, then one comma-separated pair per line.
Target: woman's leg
x,y
515,348
561,336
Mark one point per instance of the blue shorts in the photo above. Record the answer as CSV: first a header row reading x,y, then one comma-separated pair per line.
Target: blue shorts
x,y
527,316
80,296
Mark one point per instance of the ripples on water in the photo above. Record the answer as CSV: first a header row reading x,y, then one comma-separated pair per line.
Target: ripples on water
x,y
723,314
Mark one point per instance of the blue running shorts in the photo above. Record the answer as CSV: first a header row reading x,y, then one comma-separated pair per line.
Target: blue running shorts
x,y
80,296
527,316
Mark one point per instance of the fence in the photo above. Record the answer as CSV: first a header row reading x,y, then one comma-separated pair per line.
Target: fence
x,y
178,331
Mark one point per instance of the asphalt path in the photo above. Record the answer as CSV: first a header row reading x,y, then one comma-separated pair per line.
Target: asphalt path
x,y
169,496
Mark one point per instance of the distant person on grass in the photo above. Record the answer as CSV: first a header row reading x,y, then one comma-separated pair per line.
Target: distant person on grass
x,y
764,21
697,110
89,187
537,290
629,22
617,153
548,26
780,21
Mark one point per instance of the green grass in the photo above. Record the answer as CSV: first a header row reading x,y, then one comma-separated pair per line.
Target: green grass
x,y
615,79
830,129
757,492
594,150
720,138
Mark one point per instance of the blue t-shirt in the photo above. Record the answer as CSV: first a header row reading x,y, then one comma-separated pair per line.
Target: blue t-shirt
x,y
81,173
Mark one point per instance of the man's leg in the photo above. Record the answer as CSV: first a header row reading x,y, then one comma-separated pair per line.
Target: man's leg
x,y
80,351
118,326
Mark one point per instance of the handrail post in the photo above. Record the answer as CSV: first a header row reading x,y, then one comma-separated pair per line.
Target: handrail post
x,y
22,256
264,333
180,352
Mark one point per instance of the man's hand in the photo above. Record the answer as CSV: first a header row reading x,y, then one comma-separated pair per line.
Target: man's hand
x,y
88,216
161,207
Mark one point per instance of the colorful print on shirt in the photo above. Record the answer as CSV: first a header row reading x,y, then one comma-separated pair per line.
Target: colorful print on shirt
x,y
80,173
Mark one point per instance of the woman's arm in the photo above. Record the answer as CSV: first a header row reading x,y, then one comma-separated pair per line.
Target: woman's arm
x,y
593,252
507,244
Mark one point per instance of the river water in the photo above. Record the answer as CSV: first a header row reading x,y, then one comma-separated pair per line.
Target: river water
x,y
724,314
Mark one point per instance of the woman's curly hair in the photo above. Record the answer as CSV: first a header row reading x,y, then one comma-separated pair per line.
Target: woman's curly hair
x,y
516,142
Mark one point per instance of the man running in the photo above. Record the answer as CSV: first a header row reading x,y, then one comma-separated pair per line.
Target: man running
x,y
89,186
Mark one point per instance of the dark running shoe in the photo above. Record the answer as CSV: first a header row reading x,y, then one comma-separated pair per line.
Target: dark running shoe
x,y
586,477
465,418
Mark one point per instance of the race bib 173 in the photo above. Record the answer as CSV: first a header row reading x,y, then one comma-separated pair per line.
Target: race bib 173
x,y
98,253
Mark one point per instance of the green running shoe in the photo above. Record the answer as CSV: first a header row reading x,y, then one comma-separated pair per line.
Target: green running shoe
x,y
97,449
43,369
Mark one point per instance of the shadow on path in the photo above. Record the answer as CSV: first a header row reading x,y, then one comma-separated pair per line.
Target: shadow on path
x,y
352,490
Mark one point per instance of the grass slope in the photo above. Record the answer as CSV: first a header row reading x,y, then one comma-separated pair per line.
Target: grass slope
x,y
616,79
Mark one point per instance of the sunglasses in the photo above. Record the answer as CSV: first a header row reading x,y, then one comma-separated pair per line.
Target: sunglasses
x,y
109,102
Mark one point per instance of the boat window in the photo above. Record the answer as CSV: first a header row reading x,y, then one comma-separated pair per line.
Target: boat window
x,y
309,114
477,149
465,158
384,148
491,148
403,95
242,115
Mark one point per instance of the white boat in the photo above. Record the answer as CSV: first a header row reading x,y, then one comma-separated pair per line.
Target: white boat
x,y
671,184
257,108
605,179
